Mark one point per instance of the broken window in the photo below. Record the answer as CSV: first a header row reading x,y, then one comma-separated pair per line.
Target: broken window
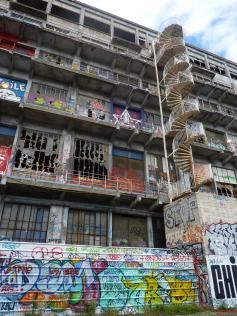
x,y
65,14
97,25
94,108
233,75
129,231
217,68
128,36
42,94
198,61
37,151
90,159
24,222
87,228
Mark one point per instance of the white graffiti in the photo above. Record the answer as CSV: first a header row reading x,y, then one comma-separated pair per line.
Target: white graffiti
x,y
221,239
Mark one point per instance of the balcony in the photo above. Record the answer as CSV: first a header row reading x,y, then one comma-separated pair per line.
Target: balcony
x,y
106,187
94,111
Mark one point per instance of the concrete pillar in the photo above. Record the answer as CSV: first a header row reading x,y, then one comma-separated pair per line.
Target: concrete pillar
x,y
27,91
110,226
150,232
206,61
82,15
65,155
57,226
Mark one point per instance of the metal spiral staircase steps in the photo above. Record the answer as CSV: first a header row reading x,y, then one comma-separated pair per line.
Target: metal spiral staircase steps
x,y
170,43
175,64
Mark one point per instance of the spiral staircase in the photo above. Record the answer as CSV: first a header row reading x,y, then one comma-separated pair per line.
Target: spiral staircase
x,y
172,57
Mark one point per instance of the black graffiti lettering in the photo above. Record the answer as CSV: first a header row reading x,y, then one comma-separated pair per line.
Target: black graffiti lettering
x,y
229,286
169,220
218,284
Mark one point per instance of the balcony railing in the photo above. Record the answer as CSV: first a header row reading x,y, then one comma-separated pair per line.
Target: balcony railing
x,y
217,108
94,113
207,80
105,183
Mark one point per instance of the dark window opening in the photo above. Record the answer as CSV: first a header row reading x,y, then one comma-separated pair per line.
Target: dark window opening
x,y
217,69
65,14
90,160
233,76
124,35
87,228
197,62
224,191
158,232
36,4
37,151
142,42
24,222
97,25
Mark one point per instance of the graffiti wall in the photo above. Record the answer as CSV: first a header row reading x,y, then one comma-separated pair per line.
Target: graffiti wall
x,y
182,222
59,278
222,272
12,90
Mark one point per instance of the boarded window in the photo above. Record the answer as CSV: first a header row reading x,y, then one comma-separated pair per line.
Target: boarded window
x,y
128,36
87,228
129,165
90,159
37,151
97,25
129,231
7,135
24,222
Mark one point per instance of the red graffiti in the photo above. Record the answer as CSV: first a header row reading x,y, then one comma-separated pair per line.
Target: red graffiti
x,y
44,253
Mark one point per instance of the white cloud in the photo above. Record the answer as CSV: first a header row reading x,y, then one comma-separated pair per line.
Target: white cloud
x,y
213,23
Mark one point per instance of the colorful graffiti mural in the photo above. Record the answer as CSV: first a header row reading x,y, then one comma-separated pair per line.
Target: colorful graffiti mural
x,y
12,90
5,153
222,271
60,277
39,99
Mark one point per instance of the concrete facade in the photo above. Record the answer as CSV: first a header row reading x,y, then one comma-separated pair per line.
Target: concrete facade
x,y
82,157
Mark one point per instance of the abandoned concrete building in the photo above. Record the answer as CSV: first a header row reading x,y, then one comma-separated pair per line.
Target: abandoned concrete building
x,y
112,134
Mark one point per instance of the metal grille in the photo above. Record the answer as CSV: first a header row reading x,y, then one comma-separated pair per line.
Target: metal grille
x,y
24,222
56,59
87,228
37,151
49,91
90,159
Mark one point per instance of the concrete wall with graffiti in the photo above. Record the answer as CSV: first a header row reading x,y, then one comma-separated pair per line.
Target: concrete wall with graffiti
x,y
203,224
61,278
222,272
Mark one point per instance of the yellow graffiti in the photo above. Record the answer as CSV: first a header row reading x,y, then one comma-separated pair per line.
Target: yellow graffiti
x,y
180,291
158,288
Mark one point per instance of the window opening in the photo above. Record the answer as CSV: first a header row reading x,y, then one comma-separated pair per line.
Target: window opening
x,y
87,228
38,4
218,69
24,222
65,14
37,151
97,25
124,34
90,159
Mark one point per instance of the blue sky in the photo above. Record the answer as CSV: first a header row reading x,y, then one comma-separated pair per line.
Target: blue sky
x,y
210,24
